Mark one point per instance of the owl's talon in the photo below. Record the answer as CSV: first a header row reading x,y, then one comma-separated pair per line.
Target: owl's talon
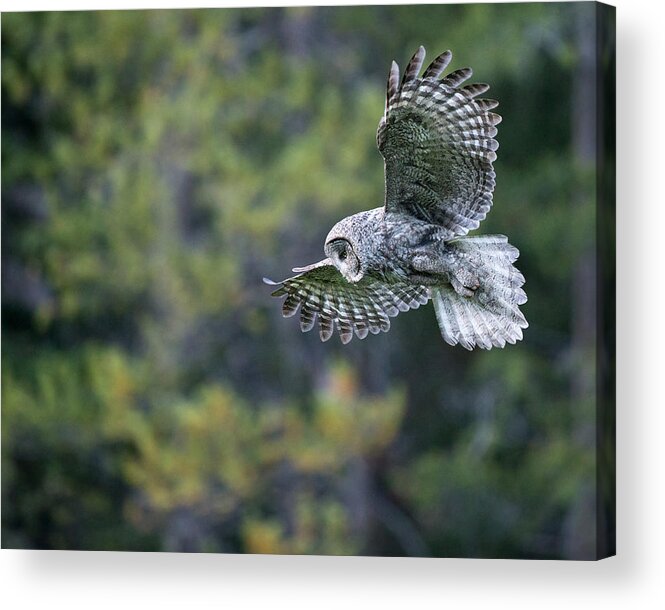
x,y
465,290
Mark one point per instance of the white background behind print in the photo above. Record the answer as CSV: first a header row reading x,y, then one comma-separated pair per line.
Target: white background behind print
x,y
634,579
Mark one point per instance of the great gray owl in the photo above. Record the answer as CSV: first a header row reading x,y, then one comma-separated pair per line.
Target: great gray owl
x,y
437,141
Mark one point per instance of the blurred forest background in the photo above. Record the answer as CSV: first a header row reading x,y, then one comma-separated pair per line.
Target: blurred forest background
x,y
156,165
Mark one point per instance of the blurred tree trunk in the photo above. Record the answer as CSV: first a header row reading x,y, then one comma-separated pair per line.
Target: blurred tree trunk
x,y
579,540
298,30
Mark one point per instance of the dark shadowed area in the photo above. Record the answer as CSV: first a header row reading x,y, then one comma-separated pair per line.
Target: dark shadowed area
x,y
157,164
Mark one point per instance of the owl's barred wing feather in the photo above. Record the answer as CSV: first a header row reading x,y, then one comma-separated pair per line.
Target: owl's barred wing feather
x,y
437,140
361,308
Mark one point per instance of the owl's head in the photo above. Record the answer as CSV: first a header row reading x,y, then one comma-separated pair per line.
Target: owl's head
x,y
340,251
351,243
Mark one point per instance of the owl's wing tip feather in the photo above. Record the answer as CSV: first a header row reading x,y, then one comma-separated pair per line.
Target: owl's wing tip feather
x,y
326,262
270,282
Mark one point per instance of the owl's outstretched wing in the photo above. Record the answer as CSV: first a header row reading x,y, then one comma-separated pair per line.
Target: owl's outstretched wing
x,y
363,307
437,140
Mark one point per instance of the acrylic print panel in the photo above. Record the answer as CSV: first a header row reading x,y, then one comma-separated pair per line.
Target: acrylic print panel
x,y
157,165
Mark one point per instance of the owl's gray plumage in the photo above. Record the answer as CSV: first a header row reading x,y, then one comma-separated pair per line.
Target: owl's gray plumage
x,y
364,307
437,141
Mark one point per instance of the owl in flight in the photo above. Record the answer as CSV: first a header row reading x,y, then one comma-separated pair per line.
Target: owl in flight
x,y
437,140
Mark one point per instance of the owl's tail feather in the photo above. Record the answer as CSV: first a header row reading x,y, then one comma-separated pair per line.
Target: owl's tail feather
x,y
491,316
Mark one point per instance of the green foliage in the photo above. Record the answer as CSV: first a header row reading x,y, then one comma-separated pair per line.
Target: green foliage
x,y
211,457
157,164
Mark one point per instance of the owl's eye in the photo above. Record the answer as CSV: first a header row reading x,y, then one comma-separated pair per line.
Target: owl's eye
x,y
342,255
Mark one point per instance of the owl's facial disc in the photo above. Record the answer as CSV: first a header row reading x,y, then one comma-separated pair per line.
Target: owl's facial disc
x,y
344,258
